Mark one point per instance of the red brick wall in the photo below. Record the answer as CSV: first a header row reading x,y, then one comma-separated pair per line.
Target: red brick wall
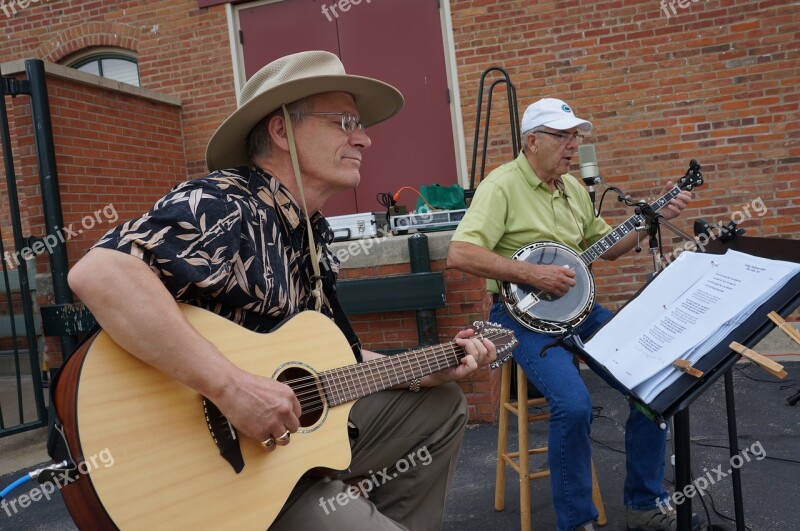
x,y
183,50
115,154
718,82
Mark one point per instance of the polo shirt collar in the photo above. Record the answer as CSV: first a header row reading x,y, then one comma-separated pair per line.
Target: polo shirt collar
x,y
531,178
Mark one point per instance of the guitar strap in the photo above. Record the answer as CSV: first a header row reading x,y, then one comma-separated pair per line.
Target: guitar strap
x,y
320,283
341,320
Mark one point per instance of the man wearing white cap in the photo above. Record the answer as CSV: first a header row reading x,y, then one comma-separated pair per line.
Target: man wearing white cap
x,y
249,242
533,199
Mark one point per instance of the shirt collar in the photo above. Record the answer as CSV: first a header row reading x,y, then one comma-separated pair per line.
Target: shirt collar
x,y
285,201
531,178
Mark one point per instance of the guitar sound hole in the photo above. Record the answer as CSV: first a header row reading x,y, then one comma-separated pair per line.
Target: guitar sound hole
x,y
307,389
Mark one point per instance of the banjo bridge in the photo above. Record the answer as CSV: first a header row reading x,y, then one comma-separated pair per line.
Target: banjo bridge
x,y
527,302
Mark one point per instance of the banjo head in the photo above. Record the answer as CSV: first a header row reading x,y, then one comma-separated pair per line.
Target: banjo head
x,y
571,309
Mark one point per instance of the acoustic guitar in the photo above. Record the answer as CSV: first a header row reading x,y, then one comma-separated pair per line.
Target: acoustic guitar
x,y
178,463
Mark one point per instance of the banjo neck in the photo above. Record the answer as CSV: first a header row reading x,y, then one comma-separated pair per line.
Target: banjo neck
x,y
612,238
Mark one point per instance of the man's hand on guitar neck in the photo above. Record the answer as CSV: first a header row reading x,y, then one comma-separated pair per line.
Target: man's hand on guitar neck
x,y
480,352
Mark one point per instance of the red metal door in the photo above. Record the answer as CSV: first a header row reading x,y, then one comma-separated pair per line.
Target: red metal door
x,y
397,41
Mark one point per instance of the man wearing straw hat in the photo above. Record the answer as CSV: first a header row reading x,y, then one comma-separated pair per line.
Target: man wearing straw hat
x,y
239,242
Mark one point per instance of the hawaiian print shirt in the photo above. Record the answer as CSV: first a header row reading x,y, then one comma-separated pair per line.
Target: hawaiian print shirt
x,y
233,243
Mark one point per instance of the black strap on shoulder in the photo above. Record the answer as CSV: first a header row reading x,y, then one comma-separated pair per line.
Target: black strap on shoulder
x,y
341,320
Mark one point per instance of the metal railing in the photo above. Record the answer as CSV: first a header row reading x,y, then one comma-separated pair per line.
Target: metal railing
x,y
16,278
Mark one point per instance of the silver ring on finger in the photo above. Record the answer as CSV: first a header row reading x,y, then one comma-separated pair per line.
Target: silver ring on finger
x,y
283,440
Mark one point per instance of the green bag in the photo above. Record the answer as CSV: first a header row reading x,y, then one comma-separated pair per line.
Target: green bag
x,y
441,197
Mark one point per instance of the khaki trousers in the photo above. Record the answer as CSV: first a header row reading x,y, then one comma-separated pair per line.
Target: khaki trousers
x,y
403,462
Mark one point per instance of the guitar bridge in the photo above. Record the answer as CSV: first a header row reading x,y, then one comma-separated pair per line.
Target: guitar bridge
x,y
224,435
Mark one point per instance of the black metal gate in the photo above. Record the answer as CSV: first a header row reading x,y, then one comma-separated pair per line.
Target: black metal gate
x,y
22,401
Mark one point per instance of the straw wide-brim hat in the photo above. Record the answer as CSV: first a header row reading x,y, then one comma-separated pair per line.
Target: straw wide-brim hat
x,y
289,79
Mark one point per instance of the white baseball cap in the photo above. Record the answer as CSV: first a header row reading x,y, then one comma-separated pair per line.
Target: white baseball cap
x,y
552,113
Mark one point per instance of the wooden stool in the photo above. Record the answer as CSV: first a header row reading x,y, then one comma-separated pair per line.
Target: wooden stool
x,y
519,460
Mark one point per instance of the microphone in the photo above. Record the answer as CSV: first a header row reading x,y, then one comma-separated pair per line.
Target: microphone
x,y
589,171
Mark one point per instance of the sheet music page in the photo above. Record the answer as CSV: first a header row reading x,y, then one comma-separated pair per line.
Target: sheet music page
x,y
697,298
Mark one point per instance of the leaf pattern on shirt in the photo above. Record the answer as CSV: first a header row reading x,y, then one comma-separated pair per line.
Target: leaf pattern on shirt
x,y
233,242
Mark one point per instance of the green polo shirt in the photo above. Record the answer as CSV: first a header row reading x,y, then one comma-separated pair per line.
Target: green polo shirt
x,y
512,207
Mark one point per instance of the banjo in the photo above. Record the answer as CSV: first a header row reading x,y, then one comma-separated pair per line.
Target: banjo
x,y
543,312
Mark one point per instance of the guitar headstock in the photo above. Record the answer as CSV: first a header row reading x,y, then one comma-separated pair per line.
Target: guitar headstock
x,y
693,177
503,339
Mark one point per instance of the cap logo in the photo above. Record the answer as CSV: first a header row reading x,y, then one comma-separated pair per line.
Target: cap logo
x,y
566,108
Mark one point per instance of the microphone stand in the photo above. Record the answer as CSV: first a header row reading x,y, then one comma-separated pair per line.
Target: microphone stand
x,y
653,222
591,182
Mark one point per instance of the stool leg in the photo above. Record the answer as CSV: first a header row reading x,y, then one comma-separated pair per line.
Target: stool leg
x,y
597,499
522,428
502,438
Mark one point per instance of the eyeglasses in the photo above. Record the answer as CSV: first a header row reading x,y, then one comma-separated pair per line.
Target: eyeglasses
x,y
349,122
565,137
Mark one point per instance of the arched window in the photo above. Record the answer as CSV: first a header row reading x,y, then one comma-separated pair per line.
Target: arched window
x,y
113,63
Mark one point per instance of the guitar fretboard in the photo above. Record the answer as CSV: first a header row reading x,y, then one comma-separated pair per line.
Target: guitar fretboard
x,y
612,238
352,382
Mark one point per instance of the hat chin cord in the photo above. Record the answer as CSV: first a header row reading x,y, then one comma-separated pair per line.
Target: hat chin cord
x,y
316,289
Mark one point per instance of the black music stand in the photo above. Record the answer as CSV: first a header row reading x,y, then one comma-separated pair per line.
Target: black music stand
x,y
675,401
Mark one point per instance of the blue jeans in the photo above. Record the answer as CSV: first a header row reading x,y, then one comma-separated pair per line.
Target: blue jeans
x,y
570,449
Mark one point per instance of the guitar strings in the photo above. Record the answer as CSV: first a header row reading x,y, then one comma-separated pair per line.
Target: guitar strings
x,y
348,393
400,359
393,363
311,389
316,402
400,362
360,367
361,372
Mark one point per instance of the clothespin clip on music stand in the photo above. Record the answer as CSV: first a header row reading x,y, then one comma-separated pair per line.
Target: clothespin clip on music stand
x,y
686,366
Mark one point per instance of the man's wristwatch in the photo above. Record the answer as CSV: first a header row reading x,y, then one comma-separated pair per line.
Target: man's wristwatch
x,y
415,385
